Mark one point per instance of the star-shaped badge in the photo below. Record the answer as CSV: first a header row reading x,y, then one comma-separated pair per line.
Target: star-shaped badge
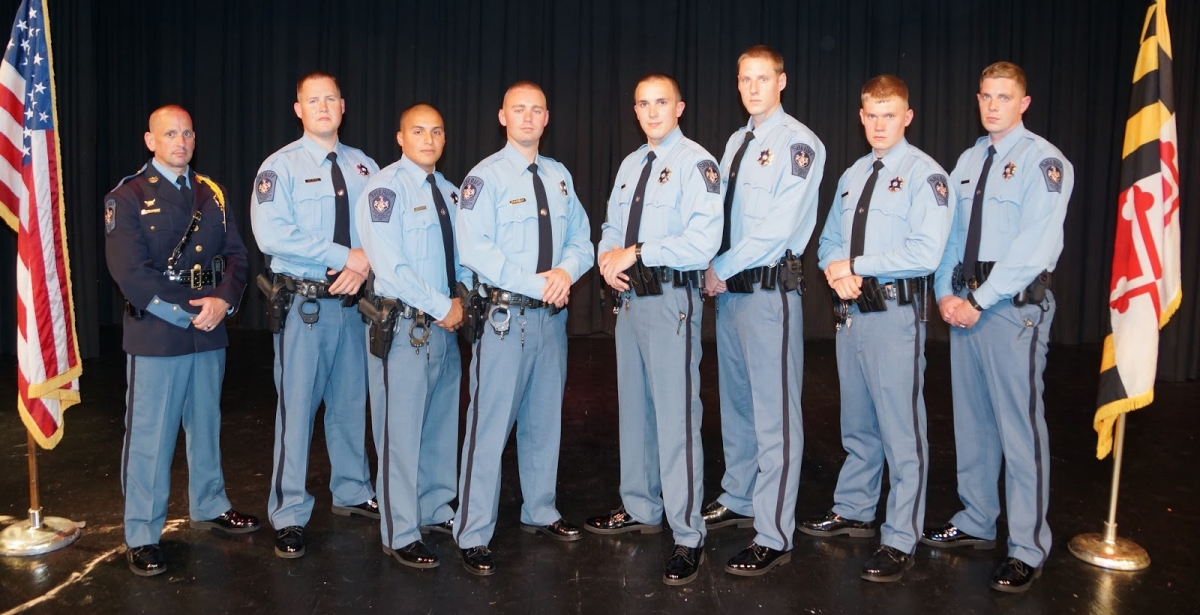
x,y
664,176
363,170
1009,170
896,184
562,185
766,157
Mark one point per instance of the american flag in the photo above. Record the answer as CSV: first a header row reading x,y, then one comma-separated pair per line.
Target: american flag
x,y
48,365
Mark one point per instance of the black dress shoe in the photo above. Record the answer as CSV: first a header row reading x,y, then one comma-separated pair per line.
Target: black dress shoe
x,y
368,509
146,560
559,530
717,516
683,565
619,522
756,560
949,537
414,555
289,542
887,565
1014,576
230,521
833,524
478,561
445,527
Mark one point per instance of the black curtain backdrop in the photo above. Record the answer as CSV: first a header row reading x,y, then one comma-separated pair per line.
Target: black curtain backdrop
x,y
234,66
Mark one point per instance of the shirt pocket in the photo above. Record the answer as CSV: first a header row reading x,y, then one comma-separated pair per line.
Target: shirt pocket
x,y
515,224
309,202
1002,214
889,221
661,216
420,230
755,194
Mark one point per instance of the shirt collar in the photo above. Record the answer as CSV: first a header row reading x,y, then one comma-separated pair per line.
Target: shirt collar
x,y
317,152
1009,141
517,158
410,167
774,120
170,175
891,160
666,145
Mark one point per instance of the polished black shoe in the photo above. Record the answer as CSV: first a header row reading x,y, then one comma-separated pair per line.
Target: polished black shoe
x,y
949,537
230,521
887,565
414,555
619,522
717,516
368,509
683,565
559,530
756,560
289,542
146,560
445,527
1014,576
478,561
833,524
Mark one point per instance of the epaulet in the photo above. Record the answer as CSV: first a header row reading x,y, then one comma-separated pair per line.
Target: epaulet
x,y
123,181
218,194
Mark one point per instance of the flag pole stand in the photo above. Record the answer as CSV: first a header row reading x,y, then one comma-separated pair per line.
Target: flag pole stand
x,y
1106,550
39,534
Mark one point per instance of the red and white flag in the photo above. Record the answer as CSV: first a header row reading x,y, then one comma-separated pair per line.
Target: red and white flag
x,y
31,203
1145,288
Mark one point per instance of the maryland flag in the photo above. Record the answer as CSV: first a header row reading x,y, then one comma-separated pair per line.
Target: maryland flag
x,y
1145,288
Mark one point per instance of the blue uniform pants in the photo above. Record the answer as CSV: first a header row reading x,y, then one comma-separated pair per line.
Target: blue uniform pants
x,y
760,351
658,380
165,392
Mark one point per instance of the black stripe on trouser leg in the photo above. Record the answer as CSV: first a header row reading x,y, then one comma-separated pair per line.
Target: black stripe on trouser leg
x,y
129,399
386,465
687,410
787,436
1037,440
464,502
916,416
279,463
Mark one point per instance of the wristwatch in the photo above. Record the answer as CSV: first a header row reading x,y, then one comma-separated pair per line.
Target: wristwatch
x,y
852,266
973,302
637,251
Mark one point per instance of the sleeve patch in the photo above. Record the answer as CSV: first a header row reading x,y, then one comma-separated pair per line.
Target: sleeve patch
x,y
382,200
711,174
110,215
264,186
941,189
802,159
1052,172
469,192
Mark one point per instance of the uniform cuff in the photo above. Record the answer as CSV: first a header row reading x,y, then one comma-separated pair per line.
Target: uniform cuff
x,y
170,312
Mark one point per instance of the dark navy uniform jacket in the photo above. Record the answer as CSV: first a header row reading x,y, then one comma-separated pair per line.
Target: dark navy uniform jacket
x,y
145,217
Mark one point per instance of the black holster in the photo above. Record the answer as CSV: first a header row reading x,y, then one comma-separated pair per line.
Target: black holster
x,y
645,281
872,298
474,310
741,282
381,314
1035,293
916,290
277,300
791,272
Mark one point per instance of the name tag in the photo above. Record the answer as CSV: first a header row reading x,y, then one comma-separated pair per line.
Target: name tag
x,y
516,201
421,208
313,180
150,211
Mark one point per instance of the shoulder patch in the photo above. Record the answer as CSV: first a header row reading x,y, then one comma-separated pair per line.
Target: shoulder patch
x,y
711,175
110,215
264,186
802,157
469,192
381,200
941,189
1052,172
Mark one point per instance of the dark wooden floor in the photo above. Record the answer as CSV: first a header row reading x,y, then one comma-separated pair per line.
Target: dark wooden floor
x,y
345,572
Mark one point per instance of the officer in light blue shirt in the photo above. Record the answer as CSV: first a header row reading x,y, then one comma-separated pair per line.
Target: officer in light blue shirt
x,y
993,288
521,228
300,212
663,228
772,170
404,218
883,239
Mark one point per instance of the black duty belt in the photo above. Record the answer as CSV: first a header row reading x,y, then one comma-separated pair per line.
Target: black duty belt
x,y
195,278
1034,293
507,298
768,276
314,289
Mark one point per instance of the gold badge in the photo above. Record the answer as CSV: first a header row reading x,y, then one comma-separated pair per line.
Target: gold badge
x,y
664,176
766,157
153,179
149,203
896,184
1009,170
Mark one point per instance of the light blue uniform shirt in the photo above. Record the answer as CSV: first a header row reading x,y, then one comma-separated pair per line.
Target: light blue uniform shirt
x,y
172,176
402,236
496,227
1025,203
293,208
775,204
911,209
681,211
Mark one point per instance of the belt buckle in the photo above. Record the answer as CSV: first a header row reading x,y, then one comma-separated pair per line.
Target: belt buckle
x,y
972,284
889,291
197,281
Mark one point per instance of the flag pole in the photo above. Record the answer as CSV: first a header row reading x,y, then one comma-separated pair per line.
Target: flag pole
x,y
39,534
1107,550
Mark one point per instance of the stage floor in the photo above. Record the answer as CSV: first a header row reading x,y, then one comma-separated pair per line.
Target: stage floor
x,y
345,571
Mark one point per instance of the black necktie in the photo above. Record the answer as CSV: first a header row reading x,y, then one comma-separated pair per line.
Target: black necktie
x,y
634,224
733,171
184,190
858,230
545,233
341,220
447,233
971,254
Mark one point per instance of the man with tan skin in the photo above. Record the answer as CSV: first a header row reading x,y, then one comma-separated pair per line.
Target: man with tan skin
x,y
174,333
521,229
301,213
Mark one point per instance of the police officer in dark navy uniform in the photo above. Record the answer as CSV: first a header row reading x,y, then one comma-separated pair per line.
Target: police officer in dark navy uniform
x,y
181,264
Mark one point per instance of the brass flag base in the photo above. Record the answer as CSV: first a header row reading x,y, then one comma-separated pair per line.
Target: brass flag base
x,y
1114,554
37,535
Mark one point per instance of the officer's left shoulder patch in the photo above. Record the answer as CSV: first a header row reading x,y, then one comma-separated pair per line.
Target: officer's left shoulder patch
x,y
470,191
711,175
110,215
941,189
381,200
264,187
802,157
1052,172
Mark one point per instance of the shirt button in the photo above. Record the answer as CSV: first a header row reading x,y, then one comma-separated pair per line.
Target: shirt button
x,y
199,248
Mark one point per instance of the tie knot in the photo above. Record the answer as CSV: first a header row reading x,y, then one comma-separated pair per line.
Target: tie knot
x,y
749,137
431,179
991,151
181,181
877,165
532,168
650,157
332,157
